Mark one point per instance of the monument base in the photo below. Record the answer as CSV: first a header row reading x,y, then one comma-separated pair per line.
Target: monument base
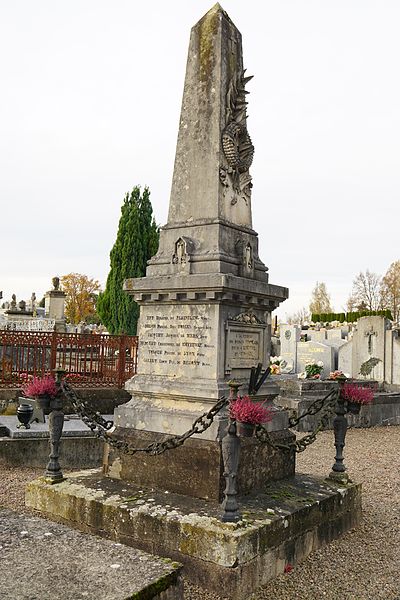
x,y
196,469
280,526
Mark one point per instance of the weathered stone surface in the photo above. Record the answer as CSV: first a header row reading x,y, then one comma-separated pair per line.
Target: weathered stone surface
x,y
196,468
282,525
205,302
41,559
75,452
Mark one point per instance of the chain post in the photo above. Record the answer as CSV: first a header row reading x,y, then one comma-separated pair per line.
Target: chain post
x,y
53,471
230,455
338,472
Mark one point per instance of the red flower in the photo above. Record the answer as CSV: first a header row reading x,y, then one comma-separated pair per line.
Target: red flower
x,y
247,411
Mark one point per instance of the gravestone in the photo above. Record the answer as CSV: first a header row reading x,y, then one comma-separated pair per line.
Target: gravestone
x,y
335,334
206,300
317,335
307,351
370,341
345,358
289,336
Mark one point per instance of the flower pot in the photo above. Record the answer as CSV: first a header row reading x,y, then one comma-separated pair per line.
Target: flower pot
x,y
353,407
43,402
24,414
245,429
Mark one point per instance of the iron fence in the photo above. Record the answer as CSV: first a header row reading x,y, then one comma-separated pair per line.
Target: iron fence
x,y
90,360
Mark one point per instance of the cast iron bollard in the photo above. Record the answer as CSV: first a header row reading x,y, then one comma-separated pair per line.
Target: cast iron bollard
x,y
339,427
56,422
230,455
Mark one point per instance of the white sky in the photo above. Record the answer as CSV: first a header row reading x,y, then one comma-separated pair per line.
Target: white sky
x,y
89,106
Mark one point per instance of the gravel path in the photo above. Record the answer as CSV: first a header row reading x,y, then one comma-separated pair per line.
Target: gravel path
x,y
363,565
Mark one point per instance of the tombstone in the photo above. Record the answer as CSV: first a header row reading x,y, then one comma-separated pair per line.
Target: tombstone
x,y
289,336
307,351
317,335
335,343
370,340
345,358
335,333
206,300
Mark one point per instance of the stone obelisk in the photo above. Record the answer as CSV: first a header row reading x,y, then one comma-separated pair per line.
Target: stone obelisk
x,y
205,302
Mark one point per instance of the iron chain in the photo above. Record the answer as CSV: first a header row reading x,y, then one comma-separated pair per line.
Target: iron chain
x,y
101,427
325,405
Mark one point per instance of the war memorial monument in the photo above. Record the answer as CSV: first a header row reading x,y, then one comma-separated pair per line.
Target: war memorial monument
x,y
205,313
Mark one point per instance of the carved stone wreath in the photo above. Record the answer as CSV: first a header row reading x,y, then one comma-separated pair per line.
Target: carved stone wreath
x,y
236,142
238,149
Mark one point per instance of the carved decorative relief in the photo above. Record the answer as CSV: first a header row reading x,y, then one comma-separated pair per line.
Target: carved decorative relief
x,y
247,317
181,255
246,256
236,143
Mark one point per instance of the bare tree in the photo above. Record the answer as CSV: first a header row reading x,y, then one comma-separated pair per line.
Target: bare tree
x,y
320,299
366,291
390,290
299,317
351,304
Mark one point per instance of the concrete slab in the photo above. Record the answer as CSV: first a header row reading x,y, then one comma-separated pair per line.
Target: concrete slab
x,y
280,526
73,427
48,561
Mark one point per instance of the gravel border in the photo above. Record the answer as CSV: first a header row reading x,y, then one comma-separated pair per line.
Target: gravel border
x,y
364,564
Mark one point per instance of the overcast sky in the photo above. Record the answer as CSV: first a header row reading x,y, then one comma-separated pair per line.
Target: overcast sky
x,y
89,107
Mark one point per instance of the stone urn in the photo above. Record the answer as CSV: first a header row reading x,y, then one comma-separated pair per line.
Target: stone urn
x,y
24,414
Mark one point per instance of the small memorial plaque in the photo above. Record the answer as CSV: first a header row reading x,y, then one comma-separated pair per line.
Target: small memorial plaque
x,y
244,345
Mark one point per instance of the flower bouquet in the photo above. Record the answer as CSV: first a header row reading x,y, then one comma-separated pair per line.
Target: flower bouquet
x,y
275,365
338,376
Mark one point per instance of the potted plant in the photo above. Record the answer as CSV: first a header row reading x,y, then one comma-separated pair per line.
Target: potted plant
x,y
42,389
356,396
247,414
312,370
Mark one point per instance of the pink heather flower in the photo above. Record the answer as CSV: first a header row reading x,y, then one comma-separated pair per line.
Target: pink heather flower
x,y
357,393
247,411
40,387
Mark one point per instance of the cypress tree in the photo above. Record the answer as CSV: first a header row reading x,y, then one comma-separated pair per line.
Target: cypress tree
x,y
137,241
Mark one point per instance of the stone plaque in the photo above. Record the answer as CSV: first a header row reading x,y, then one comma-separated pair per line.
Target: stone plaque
x,y
244,345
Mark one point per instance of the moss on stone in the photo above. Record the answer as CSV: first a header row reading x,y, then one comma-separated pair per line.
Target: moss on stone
x,y
155,588
208,27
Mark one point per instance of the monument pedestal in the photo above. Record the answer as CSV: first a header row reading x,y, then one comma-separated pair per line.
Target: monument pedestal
x,y
196,468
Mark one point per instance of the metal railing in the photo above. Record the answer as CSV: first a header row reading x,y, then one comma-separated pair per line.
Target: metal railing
x,y
90,360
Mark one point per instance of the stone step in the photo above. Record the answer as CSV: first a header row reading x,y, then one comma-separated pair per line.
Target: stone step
x,y
42,560
279,526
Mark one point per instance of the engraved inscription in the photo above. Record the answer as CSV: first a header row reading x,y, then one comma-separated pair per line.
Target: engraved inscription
x,y
243,349
175,343
244,346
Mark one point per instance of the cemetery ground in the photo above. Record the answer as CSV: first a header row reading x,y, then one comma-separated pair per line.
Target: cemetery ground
x,y
363,564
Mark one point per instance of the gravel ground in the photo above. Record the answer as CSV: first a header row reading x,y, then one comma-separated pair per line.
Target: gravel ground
x,y
364,564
